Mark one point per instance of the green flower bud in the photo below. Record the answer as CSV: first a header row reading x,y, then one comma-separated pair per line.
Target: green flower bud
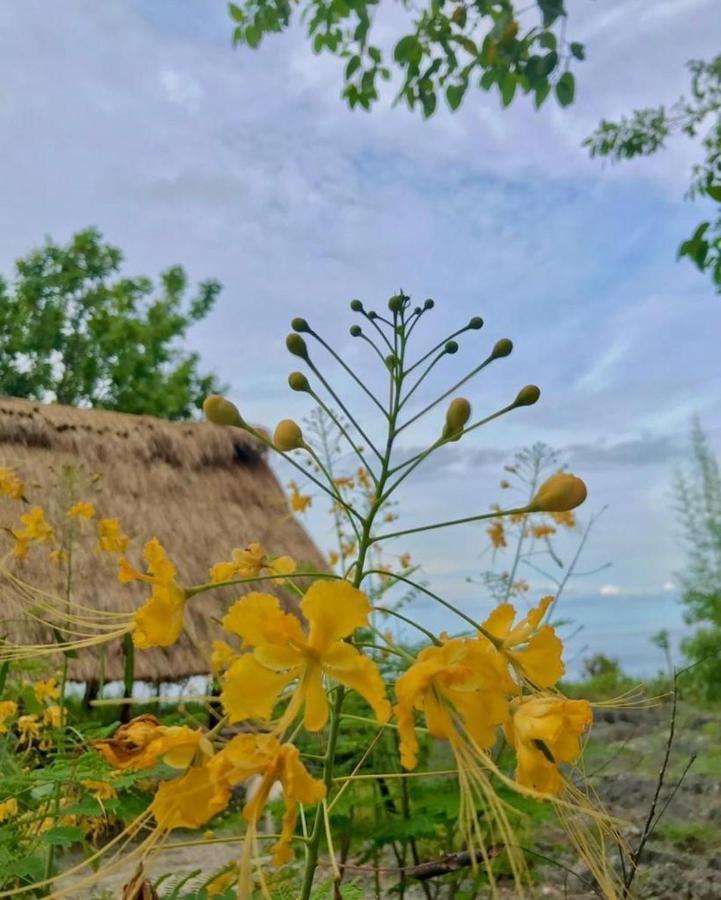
x,y
372,314
298,382
288,436
457,414
220,411
396,303
429,304
476,323
527,396
391,361
299,324
356,331
502,348
297,346
559,493
356,306
451,347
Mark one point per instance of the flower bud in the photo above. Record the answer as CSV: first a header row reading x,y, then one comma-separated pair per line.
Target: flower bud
x,y
451,347
288,435
356,331
372,314
299,324
559,493
476,323
501,348
298,382
356,306
457,414
429,304
220,411
527,396
396,303
297,346
391,361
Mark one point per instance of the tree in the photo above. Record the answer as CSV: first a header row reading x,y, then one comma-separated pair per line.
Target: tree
x,y
445,51
75,331
645,132
698,493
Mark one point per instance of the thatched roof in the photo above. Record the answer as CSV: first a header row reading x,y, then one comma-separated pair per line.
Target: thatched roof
x,y
201,490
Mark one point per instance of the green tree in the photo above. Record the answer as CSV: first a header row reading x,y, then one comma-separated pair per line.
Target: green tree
x,y
445,48
75,331
646,131
698,492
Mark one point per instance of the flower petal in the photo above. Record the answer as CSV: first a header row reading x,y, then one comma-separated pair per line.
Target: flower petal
x,y
541,659
500,620
334,610
250,690
258,619
316,702
348,665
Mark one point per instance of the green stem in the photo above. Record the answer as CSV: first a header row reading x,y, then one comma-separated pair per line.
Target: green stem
x,y
128,673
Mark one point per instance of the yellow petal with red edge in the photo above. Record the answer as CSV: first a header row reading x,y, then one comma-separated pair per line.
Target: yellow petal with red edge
x,y
334,610
258,619
541,659
250,691
348,665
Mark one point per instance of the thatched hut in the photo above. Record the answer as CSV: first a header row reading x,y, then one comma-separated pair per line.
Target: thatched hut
x,y
201,490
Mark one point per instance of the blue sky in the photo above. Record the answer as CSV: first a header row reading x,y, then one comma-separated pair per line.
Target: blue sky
x,y
138,117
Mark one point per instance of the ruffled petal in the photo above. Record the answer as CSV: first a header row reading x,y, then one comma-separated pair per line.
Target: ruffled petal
x,y
334,610
348,665
250,691
258,619
541,659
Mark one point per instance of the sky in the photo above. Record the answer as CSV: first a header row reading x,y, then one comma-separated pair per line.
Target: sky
x,y
138,117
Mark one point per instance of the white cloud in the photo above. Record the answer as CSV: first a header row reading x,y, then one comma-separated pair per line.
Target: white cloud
x,y
609,590
180,88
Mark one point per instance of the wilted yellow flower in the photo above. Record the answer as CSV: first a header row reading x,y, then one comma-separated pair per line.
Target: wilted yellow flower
x,y
8,709
101,790
497,533
221,657
159,622
82,510
53,716
464,680
10,484
8,809
262,754
283,653
546,730
29,728
111,538
144,741
46,690
250,563
534,651
36,529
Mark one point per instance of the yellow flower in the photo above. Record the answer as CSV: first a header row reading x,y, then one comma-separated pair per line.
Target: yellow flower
x,y
36,528
221,657
111,538
332,558
144,741
190,800
29,728
262,754
405,560
221,882
10,484
542,531
298,502
8,809
497,533
81,510
250,563
460,679
101,790
53,716
46,690
284,653
565,517
8,708
159,622
546,730
539,656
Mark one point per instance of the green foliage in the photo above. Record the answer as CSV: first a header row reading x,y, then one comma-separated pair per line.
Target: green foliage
x,y
645,132
447,49
698,494
75,331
